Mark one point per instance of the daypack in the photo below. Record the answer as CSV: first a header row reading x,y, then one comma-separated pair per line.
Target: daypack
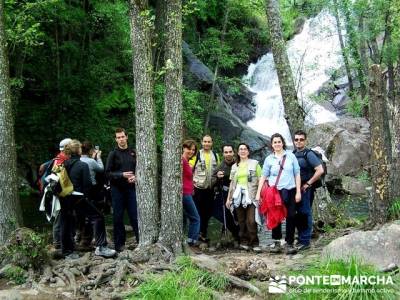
x,y
44,171
317,151
66,186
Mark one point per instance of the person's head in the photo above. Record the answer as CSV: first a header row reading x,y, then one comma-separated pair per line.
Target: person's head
x,y
63,143
74,148
87,148
243,151
189,148
121,137
207,142
227,152
278,142
300,139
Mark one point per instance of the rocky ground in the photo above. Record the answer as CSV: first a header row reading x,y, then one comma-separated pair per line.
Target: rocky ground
x,y
98,278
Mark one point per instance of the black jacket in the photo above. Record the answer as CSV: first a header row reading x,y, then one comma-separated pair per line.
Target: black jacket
x,y
78,172
119,161
226,168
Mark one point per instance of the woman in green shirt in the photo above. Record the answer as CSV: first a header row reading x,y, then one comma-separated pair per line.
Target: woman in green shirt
x,y
242,195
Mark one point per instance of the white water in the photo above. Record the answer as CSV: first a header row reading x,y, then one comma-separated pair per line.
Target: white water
x,y
313,54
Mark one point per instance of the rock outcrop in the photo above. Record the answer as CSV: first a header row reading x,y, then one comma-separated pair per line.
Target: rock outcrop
x,y
380,248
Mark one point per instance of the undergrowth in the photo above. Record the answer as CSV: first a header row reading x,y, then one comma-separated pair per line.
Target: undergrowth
x,y
352,268
187,282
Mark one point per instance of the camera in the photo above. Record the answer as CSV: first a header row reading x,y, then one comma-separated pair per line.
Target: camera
x,y
97,147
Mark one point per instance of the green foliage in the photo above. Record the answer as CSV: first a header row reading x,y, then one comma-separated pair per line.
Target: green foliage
x,y
394,209
354,267
27,249
187,282
364,177
355,106
16,274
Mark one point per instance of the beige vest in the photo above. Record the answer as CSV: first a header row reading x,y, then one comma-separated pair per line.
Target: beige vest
x,y
203,177
252,185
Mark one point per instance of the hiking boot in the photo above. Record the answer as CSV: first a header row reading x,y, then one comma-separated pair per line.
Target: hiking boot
x,y
275,247
104,251
257,249
71,256
290,249
203,239
244,247
302,247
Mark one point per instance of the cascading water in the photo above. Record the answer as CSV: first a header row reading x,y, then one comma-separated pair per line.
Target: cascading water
x,y
313,54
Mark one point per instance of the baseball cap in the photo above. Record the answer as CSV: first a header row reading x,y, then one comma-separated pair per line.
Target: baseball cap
x,y
64,142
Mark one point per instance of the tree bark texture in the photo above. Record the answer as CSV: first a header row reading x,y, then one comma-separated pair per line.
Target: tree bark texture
x,y
380,147
9,204
294,113
146,170
171,194
395,138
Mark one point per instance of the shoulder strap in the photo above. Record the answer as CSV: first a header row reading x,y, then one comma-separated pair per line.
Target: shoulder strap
x,y
280,170
197,159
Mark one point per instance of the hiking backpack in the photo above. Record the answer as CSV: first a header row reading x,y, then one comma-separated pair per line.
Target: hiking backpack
x,y
321,181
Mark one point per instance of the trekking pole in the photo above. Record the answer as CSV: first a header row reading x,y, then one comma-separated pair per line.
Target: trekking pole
x,y
223,210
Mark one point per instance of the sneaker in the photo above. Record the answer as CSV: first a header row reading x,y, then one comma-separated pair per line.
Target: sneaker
x,y
244,247
257,249
275,247
290,249
104,251
71,256
301,247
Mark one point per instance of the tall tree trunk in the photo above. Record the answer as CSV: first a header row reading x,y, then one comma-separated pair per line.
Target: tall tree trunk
x,y
159,35
395,118
146,170
171,201
380,147
342,46
9,204
294,113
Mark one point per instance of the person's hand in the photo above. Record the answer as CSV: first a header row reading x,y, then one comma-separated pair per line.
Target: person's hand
x,y
127,174
298,197
257,197
304,187
220,174
98,153
228,203
132,179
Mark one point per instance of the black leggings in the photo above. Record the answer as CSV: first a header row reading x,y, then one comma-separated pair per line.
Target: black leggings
x,y
288,197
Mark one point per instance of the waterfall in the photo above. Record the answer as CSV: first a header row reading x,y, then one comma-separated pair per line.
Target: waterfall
x,y
313,54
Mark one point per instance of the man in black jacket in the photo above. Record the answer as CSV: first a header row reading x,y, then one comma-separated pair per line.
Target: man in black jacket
x,y
120,169
79,174
220,212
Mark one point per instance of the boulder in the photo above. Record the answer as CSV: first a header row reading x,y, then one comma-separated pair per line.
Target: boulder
x,y
346,143
354,186
380,248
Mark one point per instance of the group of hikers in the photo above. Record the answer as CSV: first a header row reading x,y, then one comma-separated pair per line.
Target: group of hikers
x,y
228,189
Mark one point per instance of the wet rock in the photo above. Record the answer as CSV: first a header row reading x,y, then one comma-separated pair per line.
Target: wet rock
x,y
377,247
354,186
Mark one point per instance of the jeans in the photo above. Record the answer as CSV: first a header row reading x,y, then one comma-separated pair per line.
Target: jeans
x,y
219,209
288,197
123,198
57,231
204,198
304,220
190,212
70,204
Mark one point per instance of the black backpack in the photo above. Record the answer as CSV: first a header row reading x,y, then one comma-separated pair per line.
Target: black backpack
x,y
321,181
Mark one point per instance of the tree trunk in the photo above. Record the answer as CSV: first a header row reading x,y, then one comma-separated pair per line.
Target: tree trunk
x,y
294,113
10,217
159,35
343,47
171,201
395,118
380,147
146,170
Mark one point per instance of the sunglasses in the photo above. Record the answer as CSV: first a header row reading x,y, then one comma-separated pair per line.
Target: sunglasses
x,y
299,140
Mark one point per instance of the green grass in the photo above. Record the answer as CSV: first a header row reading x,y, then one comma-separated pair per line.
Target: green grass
x,y
394,209
187,282
357,291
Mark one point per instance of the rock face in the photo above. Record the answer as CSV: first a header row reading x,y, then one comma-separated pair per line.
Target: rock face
x,y
346,143
377,247
232,109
